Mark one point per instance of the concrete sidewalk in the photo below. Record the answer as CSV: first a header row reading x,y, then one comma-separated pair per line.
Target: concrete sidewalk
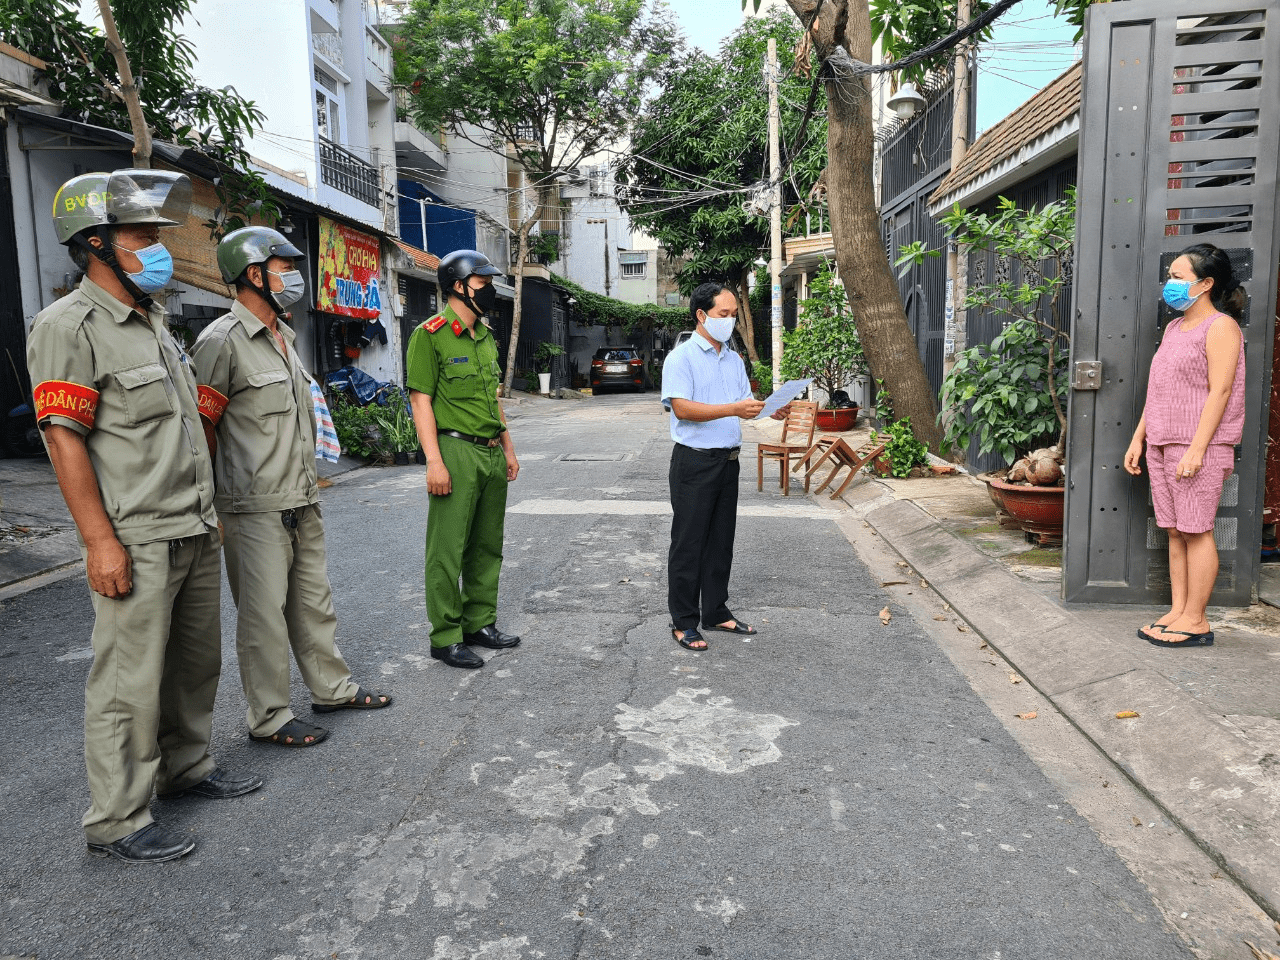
x,y
1206,744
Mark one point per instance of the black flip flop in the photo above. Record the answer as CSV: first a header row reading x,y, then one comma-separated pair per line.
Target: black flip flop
x,y
1193,639
687,639
294,734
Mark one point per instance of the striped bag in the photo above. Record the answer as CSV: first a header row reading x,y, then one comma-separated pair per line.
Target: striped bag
x,y
326,437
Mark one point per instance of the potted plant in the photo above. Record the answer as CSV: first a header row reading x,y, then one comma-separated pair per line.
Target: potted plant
x,y
903,453
1011,394
398,430
543,357
825,346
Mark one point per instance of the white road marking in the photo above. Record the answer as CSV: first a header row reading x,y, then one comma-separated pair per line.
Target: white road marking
x,y
657,508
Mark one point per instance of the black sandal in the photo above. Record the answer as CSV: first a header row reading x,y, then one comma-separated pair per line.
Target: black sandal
x,y
363,700
294,734
740,628
687,639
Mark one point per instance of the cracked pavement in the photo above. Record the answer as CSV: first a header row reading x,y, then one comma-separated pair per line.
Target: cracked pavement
x,y
830,788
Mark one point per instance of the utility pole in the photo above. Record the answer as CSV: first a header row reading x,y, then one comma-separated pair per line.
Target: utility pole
x,y
775,212
957,272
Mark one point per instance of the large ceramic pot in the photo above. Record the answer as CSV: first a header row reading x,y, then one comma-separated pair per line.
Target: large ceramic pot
x,y
1038,510
834,421
992,492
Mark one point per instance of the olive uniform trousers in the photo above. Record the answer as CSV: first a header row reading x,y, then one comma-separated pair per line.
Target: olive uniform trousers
x,y
157,654
280,584
464,538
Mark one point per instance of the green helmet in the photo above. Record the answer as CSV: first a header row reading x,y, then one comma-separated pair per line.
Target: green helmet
x,y
251,245
118,198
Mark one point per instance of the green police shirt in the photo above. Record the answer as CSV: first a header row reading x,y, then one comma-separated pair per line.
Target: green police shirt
x,y
458,372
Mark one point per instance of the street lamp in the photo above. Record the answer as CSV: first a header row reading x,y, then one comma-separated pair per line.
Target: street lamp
x,y
906,102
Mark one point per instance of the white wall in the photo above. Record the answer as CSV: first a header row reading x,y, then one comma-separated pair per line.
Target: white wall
x,y
264,51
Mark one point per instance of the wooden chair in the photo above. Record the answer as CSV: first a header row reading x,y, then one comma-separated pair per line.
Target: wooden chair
x,y
796,442
841,455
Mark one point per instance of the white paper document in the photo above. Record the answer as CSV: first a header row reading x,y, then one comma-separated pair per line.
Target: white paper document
x,y
782,396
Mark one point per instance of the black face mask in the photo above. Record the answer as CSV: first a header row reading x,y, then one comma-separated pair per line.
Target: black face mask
x,y
482,300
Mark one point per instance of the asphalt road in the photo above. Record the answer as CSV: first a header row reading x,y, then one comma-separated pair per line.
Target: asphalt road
x,y
830,789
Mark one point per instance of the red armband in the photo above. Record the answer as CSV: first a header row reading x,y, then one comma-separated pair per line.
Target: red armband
x,y
58,398
212,403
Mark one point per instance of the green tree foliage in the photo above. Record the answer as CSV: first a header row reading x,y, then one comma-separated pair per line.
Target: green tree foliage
x,y
707,133
902,27
82,74
1012,394
555,81
558,79
824,345
595,309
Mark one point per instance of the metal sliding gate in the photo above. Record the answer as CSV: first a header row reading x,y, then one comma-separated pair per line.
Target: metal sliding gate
x,y
1181,118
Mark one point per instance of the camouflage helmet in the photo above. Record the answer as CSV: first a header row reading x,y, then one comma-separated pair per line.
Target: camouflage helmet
x,y
119,198
461,264
251,245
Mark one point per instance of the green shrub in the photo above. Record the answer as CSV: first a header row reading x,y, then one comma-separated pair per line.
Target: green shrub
x,y
903,452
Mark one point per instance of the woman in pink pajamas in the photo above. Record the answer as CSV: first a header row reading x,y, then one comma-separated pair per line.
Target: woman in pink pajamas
x,y
1193,419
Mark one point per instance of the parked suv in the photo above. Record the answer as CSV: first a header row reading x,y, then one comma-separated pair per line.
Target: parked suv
x,y
617,368
734,344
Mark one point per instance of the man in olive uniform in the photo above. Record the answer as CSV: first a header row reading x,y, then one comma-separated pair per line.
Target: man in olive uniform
x,y
453,378
116,399
255,398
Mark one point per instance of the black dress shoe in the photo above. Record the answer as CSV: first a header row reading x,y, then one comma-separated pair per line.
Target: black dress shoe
x,y
458,656
491,637
152,844
218,785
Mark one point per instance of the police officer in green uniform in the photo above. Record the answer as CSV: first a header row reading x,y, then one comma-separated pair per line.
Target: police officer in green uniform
x,y
453,379
116,398
255,401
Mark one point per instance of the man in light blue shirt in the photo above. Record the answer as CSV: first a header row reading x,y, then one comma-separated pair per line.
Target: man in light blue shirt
x,y
705,386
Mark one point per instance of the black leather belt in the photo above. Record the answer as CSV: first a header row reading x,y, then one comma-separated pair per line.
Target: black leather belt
x,y
720,453
478,441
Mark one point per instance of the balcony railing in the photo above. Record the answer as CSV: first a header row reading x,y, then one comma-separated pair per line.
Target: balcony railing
x,y
343,170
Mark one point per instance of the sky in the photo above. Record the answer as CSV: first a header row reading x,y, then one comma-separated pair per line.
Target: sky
x,y
1028,49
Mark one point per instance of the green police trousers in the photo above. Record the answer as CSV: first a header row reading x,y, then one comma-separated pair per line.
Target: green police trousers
x,y
464,539
148,704
283,599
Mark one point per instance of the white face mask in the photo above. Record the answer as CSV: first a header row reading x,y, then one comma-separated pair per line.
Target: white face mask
x,y
721,328
294,287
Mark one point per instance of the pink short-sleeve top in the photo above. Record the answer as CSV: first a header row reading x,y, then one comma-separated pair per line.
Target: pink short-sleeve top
x,y
1178,388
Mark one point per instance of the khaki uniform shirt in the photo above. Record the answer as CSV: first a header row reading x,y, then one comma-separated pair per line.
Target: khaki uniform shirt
x,y
259,400
120,380
460,374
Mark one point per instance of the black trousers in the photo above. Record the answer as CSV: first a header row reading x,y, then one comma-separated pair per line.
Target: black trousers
x,y
704,504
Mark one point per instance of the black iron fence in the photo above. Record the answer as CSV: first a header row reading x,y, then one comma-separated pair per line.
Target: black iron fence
x,y
343,170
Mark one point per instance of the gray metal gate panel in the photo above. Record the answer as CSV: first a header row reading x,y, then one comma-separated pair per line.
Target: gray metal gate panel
x,y
1181,116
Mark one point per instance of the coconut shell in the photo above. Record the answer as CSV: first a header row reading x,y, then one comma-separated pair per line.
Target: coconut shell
x,y
1044,472
1019,472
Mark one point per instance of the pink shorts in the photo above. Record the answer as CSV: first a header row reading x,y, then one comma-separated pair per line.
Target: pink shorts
x,y
1187,504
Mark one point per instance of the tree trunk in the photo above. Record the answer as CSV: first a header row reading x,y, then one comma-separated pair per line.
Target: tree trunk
x,y
522,244
747,325
890,348
128,89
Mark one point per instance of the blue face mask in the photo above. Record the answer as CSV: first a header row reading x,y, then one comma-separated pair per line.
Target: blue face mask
x,y
157,267
1177,293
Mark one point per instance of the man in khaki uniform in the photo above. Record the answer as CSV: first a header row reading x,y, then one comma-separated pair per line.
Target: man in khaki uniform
x,y
116,399
255,399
